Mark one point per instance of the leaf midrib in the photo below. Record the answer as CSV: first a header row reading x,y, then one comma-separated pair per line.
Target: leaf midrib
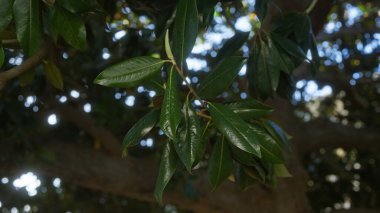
x,y
236,129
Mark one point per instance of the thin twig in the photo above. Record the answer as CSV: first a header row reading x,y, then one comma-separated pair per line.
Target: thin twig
x,y
311,6
26,66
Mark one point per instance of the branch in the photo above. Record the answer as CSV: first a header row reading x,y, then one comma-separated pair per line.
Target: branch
x,y
135,178
27,65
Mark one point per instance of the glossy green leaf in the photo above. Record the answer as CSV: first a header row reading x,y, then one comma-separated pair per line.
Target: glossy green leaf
x,y
270,150
53,74
130,73
140,129
70,26
189,143
280,170
80,6
221,77
234,129
220,164
28,25
5,13
168,49
250,109
167,168
204,142
231,46
243,157
2,56
170,117
185,30
277,133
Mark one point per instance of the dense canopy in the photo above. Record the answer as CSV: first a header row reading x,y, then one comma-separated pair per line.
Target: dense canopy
x,y
203,106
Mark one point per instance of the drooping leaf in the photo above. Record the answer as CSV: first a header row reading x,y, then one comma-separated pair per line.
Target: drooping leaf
x,y
231,46
2,56
314,54
289,46
280,170
167,168
303,29
261,7
277,133
80,6
170,117
220,164
140,129
185,30
70,26
221,77
234,128
206,11
189,143
5,13
250,109
130,72
53,74
270,150
168,49
243,180
263,69
204,141
285,87
28,25
243,157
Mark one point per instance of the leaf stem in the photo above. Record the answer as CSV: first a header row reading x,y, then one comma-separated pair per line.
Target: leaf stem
x,y
311,6
191,89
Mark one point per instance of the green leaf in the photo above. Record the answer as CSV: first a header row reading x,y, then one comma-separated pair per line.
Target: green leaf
x,y
243,180
263,69
170,117
221,77
5,13
314,55
303,29
234,129
231,46
261,7
277,133
185,30
2,56
220,164
270,150
53,74
280,170
167,168
168,49
250,109
140,129
70,26
243,157
28,25
130,73
289,46
189,143
80,6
